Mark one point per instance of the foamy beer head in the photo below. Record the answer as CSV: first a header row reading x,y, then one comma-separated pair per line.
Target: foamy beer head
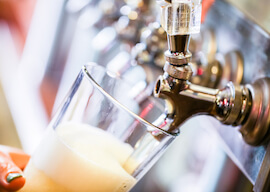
x,y
79,158
102,138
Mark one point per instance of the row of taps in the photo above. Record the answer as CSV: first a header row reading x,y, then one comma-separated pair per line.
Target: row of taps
x,y
196,78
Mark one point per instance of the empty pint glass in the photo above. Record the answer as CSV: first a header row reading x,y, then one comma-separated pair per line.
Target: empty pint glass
x,y
103,138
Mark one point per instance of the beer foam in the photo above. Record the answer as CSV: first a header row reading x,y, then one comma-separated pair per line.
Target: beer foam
x,y
78,157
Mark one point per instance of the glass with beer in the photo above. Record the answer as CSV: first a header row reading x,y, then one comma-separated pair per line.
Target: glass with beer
x,y
104,137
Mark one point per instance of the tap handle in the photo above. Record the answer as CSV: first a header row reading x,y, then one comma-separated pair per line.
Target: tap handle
x,y
180,17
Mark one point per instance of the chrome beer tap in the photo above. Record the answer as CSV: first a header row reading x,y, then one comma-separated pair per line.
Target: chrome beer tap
x,y
122,30
210,68
153,42
247,106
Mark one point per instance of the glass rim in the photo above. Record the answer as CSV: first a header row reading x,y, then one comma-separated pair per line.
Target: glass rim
x,y
116,102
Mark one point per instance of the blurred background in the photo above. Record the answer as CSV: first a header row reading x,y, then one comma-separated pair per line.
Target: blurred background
x,y
44,43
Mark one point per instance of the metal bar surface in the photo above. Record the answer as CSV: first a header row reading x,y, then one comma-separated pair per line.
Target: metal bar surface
x,y
236,31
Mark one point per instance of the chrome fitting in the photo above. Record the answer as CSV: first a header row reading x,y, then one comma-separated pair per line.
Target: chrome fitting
x,y
178,58
232,104
183,72
255,129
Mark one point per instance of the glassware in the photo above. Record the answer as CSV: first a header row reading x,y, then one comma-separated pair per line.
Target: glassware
x,y
103,138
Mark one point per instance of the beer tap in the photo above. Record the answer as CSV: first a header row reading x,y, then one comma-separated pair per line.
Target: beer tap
x,y
123,26
246,106
210,68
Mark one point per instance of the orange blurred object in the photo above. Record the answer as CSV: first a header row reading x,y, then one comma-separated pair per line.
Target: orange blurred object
x,y
206,5
12,162
18,156
18,14
20,159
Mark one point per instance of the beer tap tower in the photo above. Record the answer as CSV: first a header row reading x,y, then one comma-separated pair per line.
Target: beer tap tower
x,y
246,106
